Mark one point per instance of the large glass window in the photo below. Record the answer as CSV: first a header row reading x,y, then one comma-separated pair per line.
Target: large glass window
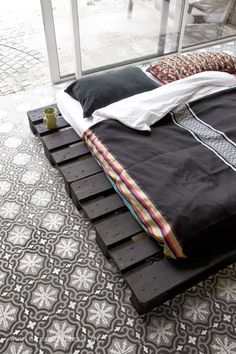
x,y
121,31
64,36
111,33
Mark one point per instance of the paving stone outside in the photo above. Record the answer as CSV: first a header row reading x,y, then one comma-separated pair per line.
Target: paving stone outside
x,y
23,55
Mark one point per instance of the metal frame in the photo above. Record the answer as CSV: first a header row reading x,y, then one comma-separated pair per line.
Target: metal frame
x,y
50,35
76,36
51,43
52,50
165,8
182,25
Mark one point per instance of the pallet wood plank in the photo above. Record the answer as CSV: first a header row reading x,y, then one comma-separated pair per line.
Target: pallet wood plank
x,y
70,153
42,128
116,229
91,186
36,115
151,285
49,156
131,253
32,127
60,138
97,208
74,171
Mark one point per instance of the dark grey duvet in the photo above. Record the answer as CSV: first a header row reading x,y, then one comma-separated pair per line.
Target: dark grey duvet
x,y
186,166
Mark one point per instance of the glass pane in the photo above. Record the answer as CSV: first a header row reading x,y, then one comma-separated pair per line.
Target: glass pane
x,y
209,20
122,31
64,36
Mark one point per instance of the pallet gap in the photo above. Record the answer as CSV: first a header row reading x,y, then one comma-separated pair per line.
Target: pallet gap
x,y
98,197
112,213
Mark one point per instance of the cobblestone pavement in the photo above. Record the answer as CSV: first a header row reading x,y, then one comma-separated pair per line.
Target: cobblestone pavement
x,y
23,56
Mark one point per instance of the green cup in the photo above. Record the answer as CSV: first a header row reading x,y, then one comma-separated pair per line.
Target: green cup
x,y
50,117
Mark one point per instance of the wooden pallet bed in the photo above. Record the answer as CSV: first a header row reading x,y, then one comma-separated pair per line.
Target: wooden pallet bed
x,y
151,278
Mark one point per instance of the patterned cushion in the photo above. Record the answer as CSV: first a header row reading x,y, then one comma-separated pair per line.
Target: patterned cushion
x,y
177,67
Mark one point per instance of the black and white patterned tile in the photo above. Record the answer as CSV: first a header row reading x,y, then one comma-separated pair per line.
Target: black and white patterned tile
x,y
58,294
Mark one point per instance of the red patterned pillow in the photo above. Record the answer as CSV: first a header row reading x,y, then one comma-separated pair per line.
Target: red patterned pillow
x,y
177,67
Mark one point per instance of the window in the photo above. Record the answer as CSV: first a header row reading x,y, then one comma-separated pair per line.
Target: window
x,y
111,33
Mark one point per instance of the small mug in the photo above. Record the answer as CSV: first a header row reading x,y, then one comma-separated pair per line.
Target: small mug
x,y
50,117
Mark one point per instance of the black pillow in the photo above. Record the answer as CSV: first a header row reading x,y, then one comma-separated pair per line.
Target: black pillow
x,y
97,91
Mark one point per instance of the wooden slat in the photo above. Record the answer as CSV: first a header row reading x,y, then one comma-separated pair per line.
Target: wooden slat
x,y
151,285
49,156
117,228
32,127
60,139
36,115
97,208
42,128
70,153
79,169
131,253
91,186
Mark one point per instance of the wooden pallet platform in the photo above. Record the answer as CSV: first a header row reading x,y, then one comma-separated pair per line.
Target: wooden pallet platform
x,y
151,278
